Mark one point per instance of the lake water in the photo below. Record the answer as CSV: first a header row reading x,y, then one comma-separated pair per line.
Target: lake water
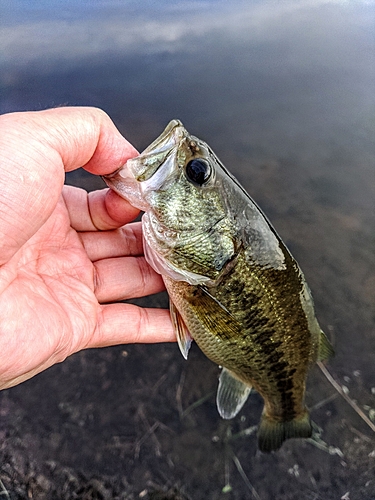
x,y
284,92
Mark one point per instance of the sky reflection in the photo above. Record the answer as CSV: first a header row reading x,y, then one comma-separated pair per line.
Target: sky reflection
x,y
69,31
293,79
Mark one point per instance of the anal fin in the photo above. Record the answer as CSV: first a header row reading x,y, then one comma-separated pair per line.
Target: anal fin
x,y
231,394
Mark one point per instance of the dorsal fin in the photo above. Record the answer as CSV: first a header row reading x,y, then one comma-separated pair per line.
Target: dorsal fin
x,y
326,350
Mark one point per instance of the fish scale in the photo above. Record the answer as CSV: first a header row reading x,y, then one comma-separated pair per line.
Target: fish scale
x,y
233,285
263,347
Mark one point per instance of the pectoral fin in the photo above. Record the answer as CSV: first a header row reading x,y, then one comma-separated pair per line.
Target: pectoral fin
x,y
231,394
184,338
213,315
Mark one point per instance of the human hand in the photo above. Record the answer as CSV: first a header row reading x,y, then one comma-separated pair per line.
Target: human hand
x,y
65,258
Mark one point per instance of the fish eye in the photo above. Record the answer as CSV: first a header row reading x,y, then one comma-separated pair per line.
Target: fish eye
x,y
198,171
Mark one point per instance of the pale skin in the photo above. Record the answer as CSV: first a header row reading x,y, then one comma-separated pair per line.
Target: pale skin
x,y
67,257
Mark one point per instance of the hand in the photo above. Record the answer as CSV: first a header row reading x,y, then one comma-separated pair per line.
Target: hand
x,y
65,255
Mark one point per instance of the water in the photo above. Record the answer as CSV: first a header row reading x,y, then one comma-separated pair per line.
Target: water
x,y
284,94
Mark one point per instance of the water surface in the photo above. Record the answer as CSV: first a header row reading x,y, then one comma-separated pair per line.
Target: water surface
x,y
284,94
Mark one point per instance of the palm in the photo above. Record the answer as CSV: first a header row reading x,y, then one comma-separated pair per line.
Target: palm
x,y
66,258
50,293
55,287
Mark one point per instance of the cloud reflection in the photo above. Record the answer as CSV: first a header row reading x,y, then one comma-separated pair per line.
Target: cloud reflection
x,y
74,34
292,79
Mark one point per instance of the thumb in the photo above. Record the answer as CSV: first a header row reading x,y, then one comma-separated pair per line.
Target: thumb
x,y
36,149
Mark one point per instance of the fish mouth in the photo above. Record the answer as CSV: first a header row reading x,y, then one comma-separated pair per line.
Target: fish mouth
x,y
146,165
148,171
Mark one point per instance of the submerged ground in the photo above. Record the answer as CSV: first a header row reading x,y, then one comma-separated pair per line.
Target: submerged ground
x,y
139,421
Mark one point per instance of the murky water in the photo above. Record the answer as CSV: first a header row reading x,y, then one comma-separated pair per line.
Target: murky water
x,y
284,92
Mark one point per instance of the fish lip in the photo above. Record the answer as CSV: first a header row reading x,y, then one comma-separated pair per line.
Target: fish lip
x,y
133,179
114,174
145,166
157,145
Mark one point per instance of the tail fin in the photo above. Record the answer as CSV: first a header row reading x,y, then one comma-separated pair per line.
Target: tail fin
x,y
272,434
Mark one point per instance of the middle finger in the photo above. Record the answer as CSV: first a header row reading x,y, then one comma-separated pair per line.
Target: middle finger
x,y
125,278
125,241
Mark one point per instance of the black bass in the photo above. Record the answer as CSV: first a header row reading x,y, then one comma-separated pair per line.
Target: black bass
x,y
233,285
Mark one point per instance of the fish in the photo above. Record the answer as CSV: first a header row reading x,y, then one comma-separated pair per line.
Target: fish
x,y
234,287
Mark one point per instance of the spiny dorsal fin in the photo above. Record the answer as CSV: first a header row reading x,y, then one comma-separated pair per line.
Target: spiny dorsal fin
x,y
231,394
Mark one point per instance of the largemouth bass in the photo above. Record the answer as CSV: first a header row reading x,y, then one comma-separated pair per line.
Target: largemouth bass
x,y
233,285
